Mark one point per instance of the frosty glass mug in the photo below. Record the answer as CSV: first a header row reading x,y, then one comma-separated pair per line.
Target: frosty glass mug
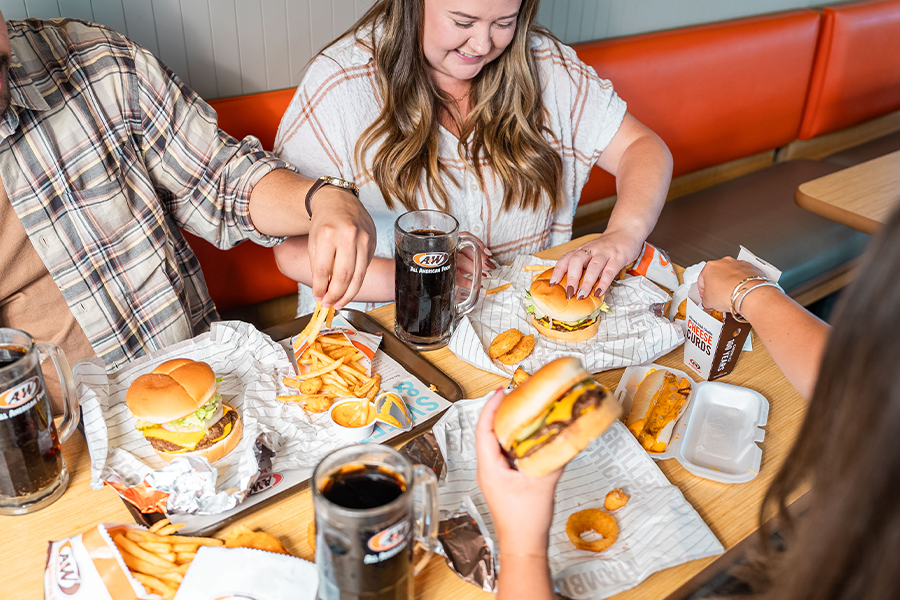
x,y
33,473
426,243
372,508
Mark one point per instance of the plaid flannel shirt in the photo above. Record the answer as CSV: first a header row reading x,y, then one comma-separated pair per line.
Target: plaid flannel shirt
x,y
105,154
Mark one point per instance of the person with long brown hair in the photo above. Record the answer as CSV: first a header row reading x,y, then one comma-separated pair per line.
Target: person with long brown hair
x,y
472,108
844,546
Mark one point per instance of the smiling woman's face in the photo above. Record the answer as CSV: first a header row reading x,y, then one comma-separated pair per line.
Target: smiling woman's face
x,y
461,36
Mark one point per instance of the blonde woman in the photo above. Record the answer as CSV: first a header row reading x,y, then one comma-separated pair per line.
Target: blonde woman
x,y
472,108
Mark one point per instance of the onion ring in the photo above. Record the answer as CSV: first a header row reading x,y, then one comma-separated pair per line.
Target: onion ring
x,y
592,519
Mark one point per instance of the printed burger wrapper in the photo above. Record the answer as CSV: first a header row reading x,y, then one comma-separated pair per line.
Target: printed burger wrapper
x,y
658,528
654,264
89,565
305,438
367,343
628,335
218,573
712,347
250,366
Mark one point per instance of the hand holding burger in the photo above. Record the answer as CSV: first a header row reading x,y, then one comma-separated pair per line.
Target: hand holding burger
x,y
546,421
557,314
180,411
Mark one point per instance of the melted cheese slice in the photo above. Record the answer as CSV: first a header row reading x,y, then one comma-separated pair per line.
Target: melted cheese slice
x,y
562,409
522,448
186,439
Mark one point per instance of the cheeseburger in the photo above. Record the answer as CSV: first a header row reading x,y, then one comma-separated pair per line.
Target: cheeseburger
x,y
561,318
180,411
546,421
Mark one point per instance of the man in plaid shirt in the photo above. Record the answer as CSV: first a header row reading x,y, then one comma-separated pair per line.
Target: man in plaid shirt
x,y
104,156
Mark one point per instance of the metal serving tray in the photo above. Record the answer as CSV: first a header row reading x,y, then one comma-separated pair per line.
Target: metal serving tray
x,y
408,358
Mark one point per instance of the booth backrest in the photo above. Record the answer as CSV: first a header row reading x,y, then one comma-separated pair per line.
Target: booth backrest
x,y
857,72
246,274
713,93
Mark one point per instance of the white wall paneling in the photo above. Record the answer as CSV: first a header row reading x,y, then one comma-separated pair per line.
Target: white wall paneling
x,y
226,48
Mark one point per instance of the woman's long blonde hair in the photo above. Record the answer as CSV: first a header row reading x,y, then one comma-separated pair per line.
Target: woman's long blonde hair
x,y
505,128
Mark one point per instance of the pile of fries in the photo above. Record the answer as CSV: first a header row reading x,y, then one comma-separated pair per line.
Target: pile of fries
x,y
159,559
334,370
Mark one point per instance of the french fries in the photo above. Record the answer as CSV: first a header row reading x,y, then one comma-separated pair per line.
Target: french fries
x,y
498,289
334,370
159,559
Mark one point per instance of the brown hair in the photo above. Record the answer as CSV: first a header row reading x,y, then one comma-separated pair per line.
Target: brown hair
x,y
506,123
846,544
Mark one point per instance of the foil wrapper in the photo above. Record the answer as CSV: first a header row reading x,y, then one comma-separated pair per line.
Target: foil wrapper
x,y
467,546
424,450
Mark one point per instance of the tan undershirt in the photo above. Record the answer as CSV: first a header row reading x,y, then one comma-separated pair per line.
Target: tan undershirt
x,y
30,300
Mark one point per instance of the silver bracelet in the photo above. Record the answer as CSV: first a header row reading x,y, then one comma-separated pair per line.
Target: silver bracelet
x,y
736,308
737,288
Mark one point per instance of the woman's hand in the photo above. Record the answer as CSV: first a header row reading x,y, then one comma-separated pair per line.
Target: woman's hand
x,y
465,263
600,259
521,506
718,280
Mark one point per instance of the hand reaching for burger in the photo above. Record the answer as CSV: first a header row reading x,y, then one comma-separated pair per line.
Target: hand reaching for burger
x,y
600,259
521,506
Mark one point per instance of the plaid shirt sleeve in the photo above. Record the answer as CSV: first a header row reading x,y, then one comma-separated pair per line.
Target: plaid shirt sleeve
x,y
202,175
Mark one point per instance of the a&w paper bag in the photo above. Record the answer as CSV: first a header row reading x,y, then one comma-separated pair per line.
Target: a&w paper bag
x,y
631,334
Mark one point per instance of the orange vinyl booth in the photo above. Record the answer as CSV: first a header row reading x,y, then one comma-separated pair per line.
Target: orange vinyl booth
x,y
246,274
714,93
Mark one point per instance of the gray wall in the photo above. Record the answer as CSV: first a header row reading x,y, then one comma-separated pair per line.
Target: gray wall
x,y
231,47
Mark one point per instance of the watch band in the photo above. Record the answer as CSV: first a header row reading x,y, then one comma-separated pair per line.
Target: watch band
x,y
328,180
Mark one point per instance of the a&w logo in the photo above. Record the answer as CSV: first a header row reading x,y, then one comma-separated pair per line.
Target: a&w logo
x,y
20,394
265,483
390,537
431,260
68,577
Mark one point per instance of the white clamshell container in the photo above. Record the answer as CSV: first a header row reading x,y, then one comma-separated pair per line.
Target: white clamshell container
x,y
717,434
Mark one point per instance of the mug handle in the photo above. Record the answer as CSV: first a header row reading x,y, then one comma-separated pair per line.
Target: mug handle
x,y
71,408
426,514
467,239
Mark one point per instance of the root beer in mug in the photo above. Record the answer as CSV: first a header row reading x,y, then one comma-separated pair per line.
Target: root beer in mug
x,y
426,244
372,508
33,473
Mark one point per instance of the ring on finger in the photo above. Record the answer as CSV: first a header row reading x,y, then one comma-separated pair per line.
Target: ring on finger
x,y
588,252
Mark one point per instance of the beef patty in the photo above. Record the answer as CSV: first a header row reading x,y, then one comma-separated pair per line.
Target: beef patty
x,y
212,434
592,397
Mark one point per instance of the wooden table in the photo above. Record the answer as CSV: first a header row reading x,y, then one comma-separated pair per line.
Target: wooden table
x,y
862,196
730,510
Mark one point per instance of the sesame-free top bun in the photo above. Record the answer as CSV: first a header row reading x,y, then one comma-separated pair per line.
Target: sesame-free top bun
x,y
522,405
552,301
173,390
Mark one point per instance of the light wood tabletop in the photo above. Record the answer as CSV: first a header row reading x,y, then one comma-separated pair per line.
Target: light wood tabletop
x,y
862,196
731,511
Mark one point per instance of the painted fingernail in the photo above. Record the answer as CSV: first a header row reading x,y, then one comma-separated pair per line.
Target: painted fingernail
x,y
582,295
570,291
553,282
598,292
492,264
488,251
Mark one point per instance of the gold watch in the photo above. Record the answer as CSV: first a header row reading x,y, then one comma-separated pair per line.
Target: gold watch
x,y
328,180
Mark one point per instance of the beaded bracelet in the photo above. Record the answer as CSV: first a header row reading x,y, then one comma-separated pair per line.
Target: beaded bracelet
x,y
736,308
